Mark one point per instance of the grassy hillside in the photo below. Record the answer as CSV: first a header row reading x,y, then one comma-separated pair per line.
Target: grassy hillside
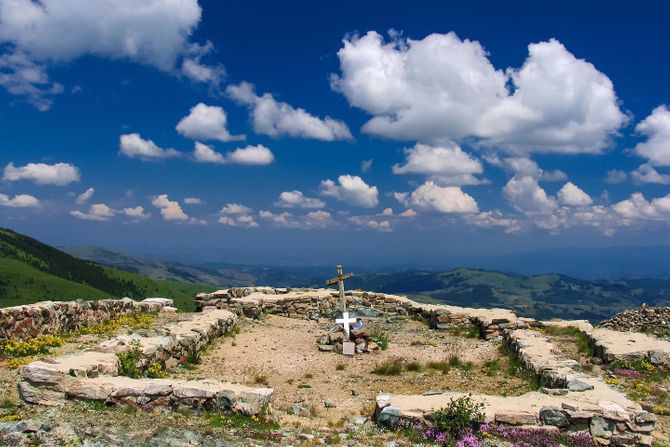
x,y
31,271
540,296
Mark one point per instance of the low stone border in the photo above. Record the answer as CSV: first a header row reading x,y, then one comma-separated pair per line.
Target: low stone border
x,y
538,355
59,317
93,374
253,302
201,394
572,401
610,345
619,423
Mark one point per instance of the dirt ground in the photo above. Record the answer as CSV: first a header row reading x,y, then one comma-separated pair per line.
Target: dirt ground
x,y
282,353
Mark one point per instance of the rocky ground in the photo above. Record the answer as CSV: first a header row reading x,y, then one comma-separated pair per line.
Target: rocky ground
x,y
315,388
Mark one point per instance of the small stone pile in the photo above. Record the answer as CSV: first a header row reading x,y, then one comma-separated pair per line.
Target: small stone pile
x,y
333,339
642,319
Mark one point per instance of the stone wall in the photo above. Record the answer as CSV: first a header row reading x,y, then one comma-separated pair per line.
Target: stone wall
x,y
571,400
253,302
58,317
93,374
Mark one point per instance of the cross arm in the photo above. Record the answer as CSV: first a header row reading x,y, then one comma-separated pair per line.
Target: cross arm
x,y
333,281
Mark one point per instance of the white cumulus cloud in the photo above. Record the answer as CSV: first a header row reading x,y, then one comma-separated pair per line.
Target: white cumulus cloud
x,y
43,174
637,207
446,165
275,118
251,155
442,87
656,127
206,123
647,174
571,195
151,32
98,212
19,201
134,146
525,194
136,212
430,197
352,190
85,196
296,199
170,209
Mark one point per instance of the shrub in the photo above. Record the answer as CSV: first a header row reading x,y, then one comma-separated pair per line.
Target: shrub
x,y
391,367
340,367
138,320
156,370
455,360
439,366
15,348
492,366
381,337
413,366
462,416
261,379
128,362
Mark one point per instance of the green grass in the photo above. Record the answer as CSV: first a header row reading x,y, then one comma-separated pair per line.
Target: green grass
x,y
580,338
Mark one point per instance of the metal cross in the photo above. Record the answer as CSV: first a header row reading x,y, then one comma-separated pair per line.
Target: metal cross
x,y
339,280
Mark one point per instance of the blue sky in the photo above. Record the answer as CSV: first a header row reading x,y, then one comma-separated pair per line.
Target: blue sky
x,y
313,133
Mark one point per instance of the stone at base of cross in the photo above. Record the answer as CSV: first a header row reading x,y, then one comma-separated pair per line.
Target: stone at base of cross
x,y
345,320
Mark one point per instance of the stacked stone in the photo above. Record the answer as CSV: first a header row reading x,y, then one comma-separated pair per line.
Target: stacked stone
x,y
93,375
58,317
253,302
642,319
333,339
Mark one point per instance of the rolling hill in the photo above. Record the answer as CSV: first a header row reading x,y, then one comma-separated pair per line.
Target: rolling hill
x,y
218,274
31,271
539,296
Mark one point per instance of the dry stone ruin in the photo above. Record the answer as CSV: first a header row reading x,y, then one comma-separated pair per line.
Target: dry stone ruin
x,y
569,400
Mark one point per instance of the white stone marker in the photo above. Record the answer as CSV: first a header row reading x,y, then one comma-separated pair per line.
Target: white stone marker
x,y
348,348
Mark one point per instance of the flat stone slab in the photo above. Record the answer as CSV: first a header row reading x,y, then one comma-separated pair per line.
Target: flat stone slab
x,y
622,345
80,364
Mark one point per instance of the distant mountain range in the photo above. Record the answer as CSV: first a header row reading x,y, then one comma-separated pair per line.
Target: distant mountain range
x,y
32,271
538,296
218,274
